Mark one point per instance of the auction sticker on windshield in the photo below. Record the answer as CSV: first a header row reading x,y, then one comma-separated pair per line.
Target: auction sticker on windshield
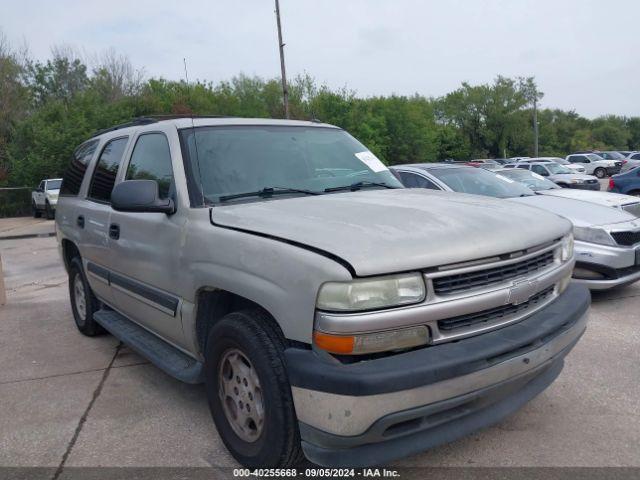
x,y
371,161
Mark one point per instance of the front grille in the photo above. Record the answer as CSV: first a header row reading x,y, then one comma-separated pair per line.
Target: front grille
x,y
465,281
592,181
632,208
487,316
626,238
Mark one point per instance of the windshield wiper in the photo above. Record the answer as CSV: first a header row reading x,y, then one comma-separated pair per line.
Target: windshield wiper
x,y
266,193
357,186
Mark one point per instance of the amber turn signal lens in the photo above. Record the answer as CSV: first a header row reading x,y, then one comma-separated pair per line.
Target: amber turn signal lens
x,y
334,343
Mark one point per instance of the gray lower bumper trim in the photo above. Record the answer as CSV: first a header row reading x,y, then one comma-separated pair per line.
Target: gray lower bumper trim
x,y
386,451
606,284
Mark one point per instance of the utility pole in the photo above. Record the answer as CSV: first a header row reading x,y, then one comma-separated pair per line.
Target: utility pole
x,y
285,89
535,128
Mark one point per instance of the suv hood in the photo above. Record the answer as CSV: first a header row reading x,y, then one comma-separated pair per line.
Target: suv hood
x,y
615,200
385,231
581,213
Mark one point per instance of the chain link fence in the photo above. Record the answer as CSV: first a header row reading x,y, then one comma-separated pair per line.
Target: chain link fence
x,y
15,201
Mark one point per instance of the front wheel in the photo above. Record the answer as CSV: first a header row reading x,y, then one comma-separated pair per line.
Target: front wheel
x,y
249,393
35,211
600,172
49,213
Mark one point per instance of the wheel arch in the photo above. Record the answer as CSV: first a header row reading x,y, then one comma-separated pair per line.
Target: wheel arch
x,y
69,251
212,304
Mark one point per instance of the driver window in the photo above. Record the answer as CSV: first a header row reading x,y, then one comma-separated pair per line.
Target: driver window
x,y
151,160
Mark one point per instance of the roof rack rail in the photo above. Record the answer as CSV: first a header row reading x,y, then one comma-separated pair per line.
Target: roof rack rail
x,y
147,119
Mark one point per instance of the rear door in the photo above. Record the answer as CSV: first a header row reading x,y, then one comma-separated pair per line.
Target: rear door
x,y
146,253
95,247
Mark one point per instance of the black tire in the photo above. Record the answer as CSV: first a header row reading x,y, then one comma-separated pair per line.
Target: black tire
x,y
34,208
635,193
253,333
85,322
49,213
600,172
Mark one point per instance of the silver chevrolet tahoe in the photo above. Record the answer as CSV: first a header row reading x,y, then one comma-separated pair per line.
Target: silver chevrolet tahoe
x,y
330,313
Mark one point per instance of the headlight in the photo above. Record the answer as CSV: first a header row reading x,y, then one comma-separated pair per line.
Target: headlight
x,y
372,342
593,235
566,251
576,180
370,293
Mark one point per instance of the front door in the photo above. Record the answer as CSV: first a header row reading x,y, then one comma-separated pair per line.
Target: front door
x,y
146,251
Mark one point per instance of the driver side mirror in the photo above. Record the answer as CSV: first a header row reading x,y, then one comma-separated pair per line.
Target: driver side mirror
x,y
140,196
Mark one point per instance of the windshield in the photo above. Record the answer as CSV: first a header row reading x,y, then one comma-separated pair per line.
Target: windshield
x,y
529,179
231,160
556,169
480,182
53,184
593,157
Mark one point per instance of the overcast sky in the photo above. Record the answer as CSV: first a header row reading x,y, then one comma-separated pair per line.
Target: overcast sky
x,y
584,54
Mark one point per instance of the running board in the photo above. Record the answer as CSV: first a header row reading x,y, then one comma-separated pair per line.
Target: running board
x,y
164,356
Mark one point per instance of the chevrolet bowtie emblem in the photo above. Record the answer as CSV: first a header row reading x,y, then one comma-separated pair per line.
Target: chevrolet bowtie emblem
x,y
522,291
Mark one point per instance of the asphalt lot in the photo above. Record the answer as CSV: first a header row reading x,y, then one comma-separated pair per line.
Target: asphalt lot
x,y
68,400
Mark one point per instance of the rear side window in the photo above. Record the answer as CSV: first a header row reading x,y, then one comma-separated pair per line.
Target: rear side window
x,y
411,180
104,176
75,172
151,160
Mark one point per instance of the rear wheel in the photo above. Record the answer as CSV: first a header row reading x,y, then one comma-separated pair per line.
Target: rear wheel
x,y
600,172
635,193
249,393
83,303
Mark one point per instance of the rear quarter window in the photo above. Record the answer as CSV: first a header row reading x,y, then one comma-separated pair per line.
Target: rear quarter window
x,y
72,179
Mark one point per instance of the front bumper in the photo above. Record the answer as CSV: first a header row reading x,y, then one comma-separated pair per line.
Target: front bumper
x,y
613,170
613,266
378,410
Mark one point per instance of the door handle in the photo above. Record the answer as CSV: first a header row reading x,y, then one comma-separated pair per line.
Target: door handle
x,y
114,231
80,221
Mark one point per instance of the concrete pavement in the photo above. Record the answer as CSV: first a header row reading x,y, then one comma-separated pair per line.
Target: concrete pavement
x,y
72,401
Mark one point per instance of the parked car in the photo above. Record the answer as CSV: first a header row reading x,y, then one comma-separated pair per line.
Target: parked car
x,y
487,164
596,165
576,167
610,155
45,198
607,240
542,186
559,174
627,183
328,310
632,161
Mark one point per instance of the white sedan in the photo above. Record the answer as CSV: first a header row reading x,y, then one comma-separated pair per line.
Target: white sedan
x,y
542,186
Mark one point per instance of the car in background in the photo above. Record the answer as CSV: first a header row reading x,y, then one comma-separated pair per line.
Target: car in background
x,y
595,165
518,159
627,183
631,161
607,241
542,186
487,164
560,161
45,198
559,174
